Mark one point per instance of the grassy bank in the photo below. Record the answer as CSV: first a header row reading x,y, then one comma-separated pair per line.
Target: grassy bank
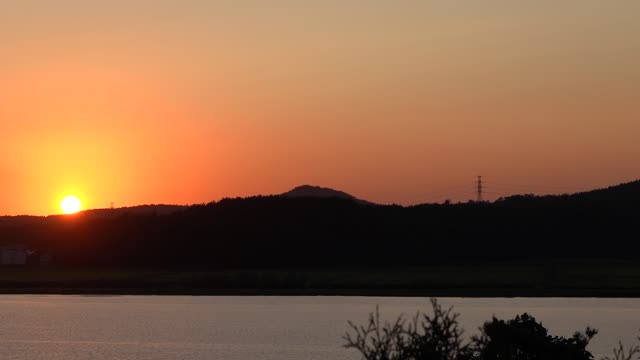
x,y
580,278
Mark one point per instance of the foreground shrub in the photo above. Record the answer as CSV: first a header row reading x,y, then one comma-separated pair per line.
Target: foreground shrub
x,y
524,338
439,337
436,337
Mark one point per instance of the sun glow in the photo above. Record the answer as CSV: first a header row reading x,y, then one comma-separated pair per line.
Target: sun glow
x,y
70,205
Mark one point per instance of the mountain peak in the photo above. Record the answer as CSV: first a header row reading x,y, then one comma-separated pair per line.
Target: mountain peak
x,y
320,192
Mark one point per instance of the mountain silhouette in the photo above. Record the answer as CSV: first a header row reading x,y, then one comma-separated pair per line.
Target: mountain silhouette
x,y
310,191
623,192
139,210
312,226
621,195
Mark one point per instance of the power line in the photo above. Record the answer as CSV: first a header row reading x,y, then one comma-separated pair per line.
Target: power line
x,y
482,188
524,186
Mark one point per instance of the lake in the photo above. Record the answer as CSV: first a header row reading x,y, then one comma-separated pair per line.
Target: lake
x,y
225,327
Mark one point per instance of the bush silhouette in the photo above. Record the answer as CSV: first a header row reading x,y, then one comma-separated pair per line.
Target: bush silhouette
x,y
439,337
525,338
436,337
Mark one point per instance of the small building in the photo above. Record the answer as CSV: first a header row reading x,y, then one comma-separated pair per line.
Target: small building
x,y
13,255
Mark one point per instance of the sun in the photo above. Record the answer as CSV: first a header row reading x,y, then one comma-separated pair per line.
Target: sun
x,y
70,205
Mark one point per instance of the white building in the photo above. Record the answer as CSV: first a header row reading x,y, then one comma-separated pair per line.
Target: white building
x,y
13,255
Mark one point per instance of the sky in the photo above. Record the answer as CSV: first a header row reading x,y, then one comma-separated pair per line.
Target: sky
x,y
181,102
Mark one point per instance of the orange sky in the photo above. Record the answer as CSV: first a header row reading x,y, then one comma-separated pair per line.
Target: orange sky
x,y
137,102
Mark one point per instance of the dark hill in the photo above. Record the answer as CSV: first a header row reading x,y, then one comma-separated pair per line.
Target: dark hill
x,y
309,191
21,220
315,228
622,198
140,210
624,192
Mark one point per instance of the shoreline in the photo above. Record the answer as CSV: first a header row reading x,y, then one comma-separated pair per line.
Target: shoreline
x,y
426,293
578,278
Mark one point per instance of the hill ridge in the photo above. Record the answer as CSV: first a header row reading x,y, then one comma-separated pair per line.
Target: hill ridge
x,y
313,191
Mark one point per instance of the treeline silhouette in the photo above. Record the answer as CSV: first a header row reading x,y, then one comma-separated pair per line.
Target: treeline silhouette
x,y
306,232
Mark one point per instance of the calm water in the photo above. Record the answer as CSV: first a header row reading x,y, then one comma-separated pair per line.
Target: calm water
x,y
176,327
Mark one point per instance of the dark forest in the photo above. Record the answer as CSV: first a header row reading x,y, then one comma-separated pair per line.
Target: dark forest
x,y
311,232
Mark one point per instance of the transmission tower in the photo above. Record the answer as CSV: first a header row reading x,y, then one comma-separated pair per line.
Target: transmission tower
x,y
480,187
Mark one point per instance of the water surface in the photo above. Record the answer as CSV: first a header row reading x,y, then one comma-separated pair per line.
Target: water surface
x,y
287,328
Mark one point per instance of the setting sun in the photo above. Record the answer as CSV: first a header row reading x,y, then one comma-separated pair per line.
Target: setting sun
x,y
70,205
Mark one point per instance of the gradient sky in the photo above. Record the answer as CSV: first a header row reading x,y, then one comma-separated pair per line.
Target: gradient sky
x,y
137,102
